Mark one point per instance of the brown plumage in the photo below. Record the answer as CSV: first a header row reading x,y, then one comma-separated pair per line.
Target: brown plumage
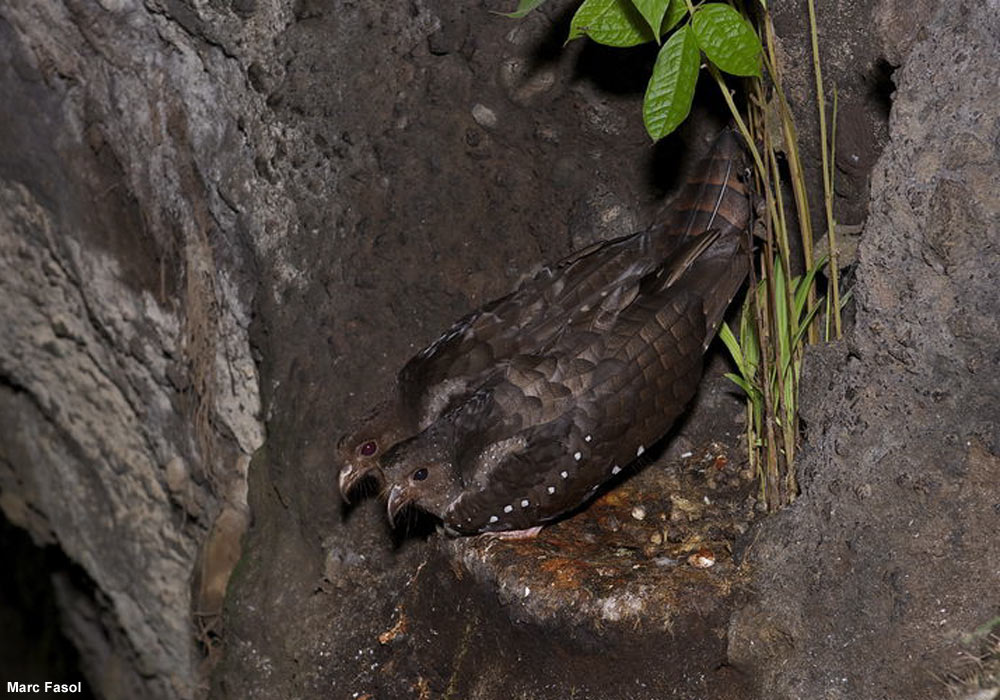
x,y
549,313
546,430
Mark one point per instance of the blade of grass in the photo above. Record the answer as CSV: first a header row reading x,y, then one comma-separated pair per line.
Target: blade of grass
x,y
790,135
826,162
834,252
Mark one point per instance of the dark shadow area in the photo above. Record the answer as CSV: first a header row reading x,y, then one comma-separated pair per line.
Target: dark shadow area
x,y
33,648
616,71
881,86
671,159
413,524
550,47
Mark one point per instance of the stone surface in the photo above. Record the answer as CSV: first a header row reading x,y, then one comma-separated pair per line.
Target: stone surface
x,y
128,395
860,44
869,582
218,216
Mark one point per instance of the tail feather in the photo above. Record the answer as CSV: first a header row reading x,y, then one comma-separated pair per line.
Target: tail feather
x,y
716,197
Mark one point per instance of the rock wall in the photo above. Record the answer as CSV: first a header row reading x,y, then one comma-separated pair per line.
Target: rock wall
x,y
868,584
224,215
128,397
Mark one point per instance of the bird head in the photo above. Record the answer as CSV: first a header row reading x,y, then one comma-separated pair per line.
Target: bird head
x,y
359,451
420,473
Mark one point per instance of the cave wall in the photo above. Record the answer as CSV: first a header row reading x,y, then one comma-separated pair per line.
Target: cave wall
x,y
165,167
471,149
222,216
870,582
128,398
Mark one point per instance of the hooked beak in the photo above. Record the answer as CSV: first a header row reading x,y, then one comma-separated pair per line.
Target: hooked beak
x,y
346,481
351,475
397,501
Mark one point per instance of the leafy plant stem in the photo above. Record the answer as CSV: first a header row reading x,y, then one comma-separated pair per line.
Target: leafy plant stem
x,y
827,164
772,495
834,252
767,327
781,222
796,172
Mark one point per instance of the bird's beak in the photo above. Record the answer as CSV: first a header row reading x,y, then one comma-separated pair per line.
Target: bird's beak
x,y
397,501
351,475
346,481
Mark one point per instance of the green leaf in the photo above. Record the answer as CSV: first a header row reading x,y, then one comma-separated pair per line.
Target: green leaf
x,y
610,22
782,330
727,337
677,10
653,12
752,392
802,286
804,326
748,332
727,39
523,8
846,298
741,383
671,88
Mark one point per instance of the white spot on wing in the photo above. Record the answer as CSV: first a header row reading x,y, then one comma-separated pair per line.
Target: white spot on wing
x,y
615,469
552,489
577,456
493,519
508,509
525,503
638,453
564,474
588,438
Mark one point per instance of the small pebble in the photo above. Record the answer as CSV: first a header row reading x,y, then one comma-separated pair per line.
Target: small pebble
x,y
702,559
484,116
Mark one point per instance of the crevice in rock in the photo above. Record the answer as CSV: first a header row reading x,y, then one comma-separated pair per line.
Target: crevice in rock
x,y
34,647
881,85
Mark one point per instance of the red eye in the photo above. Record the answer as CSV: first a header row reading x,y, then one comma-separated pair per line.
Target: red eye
x,y
369,448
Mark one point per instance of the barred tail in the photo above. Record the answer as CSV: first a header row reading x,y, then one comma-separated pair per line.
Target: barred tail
x,y
716,196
